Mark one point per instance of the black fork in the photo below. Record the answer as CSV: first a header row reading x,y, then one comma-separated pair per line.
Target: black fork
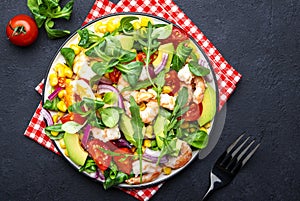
x,y
229,164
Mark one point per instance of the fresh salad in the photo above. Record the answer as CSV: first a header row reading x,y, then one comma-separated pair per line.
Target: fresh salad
x,y
129,99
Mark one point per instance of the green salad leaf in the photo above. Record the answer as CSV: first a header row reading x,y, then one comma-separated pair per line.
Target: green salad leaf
x,y
69,55
44,11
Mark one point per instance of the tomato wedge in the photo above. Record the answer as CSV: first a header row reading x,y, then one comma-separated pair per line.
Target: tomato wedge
x,y
102,159
178,35
124,160
193,113
173,81
73,117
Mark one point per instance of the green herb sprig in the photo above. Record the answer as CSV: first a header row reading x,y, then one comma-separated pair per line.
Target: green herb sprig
x,y
44,11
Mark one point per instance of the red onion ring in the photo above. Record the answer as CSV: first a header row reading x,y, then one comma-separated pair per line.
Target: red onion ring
x,y
163,63
47,116
113,89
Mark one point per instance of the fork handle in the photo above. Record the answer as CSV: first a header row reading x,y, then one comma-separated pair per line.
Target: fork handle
x,y
214,185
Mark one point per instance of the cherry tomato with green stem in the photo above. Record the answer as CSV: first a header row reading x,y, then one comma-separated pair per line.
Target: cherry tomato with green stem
x,y
21,30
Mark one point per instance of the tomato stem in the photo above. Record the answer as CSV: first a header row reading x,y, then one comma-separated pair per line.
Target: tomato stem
x,y
18,30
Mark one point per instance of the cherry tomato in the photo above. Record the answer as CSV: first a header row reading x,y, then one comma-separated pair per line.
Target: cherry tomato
x,y
193,113
102,159
173,81
115,76
22,30
178,35
124,161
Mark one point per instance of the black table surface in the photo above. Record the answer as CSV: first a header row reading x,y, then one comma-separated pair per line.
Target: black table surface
x,y
260,39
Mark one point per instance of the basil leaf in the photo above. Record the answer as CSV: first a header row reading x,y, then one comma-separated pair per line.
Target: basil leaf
x,y
182,53
110,116
198,70
55,128
58,137
198,139
51,105
54,33
100,68
69,55
88,38
72,127
125,25
131,71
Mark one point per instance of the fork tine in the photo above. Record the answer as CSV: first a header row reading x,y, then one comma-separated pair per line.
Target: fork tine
x,y
235,143
239,164
249,155
224,157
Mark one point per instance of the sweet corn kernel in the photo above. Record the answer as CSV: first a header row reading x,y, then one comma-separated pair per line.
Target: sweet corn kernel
x,y
68,72
145,20
143,149
111,26
203,129
100,27
55,118
61,93
60,69
192,130
62,106
142,106
62,143
136,25
207,126
167,170
76,48
54,133
53,79
185,125
66,152
147,143
166,89
68,81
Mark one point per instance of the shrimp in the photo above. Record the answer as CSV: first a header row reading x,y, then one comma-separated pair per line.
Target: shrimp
x,y
167,101
150,112
185,75
198,94
144,96
106,134
150,172
184,156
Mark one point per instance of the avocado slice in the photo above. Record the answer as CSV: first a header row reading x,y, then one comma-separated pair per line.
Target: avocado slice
x,y
158,129
126,127
126,41
76,153
165,48
209,106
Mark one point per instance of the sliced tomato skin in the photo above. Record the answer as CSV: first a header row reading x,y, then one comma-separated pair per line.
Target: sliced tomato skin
x,y
173,81
123,162
102,159
115,76
193,113
178,35
72,117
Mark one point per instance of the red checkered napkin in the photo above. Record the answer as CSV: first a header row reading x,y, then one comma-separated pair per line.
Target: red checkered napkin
x,y
227,76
